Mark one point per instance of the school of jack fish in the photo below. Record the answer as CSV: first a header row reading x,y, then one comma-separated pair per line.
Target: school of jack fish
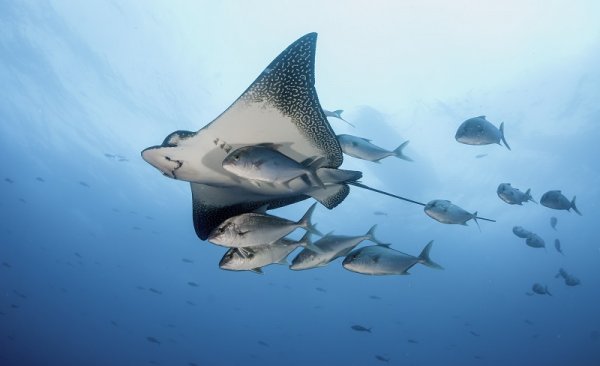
x,y
274,147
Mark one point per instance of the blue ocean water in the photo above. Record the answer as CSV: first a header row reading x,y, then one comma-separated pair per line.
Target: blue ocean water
x,y
99,261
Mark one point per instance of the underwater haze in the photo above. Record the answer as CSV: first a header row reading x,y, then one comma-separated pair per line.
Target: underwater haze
x,y
99,260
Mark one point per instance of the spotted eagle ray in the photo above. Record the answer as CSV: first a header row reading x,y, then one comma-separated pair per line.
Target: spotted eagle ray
x,y
280,107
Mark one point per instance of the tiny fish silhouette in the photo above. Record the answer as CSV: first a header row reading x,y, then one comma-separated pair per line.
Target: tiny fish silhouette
x,y
381,358
8,180
475,333
155,291
152,340
84,184
413,341
263,343
360,328
320,289
193,284
40,179
374,297
186,260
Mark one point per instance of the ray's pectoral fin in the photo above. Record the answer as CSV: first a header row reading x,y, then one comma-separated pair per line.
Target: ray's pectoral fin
x,y
213,205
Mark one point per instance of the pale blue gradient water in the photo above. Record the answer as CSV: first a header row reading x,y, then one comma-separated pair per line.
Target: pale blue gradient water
x,y
79,80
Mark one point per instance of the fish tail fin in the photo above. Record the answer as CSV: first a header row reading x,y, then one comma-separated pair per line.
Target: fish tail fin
x,y
529,197
338,113
548,292
371,235
502,135
305,242
476,222
425,259
311,171
398,151
305,221
575,207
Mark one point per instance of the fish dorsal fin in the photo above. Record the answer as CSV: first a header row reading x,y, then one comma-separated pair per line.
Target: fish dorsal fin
x,y
483,117
262,209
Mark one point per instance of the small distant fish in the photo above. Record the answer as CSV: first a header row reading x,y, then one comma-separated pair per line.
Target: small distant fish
x,y
553,222
535,241
381,358
8,180
77,255
446,212
475,334
556,200
14,306
540,290
413,341
360,328
263,343
114,323
19,294
137,228
479,156
362,148
149,217
6,264
84,184
264,163
336,114
479,131
155,291
191,303
140,287
570,280
527,321
521,232
110,156
477,357
374,297
320,289
152,340
186,260
557,246
22,200
193,284
513,196
380,213
40,179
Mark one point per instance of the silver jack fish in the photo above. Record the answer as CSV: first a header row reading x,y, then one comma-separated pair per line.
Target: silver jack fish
x,y
254,258
446,212
332,247
336,114
540,290
263,163
557,246
553,222
569,279
513,196
381,260
535,241
362,148
557,201
256,228
479,131
521,232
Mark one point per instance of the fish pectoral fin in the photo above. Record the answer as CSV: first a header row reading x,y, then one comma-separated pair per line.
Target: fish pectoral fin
x,y
257,270
283,262
258,163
